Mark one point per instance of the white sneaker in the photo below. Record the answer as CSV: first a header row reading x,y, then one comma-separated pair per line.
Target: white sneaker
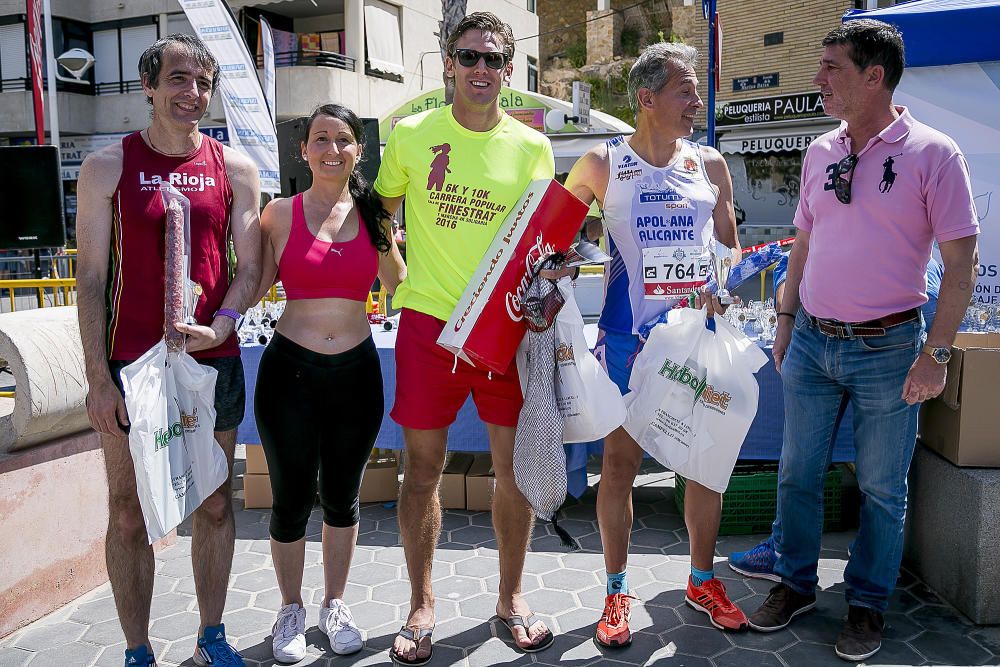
x,y
338,624
288,636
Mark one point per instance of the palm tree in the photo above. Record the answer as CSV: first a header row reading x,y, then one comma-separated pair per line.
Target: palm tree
x,y
452,11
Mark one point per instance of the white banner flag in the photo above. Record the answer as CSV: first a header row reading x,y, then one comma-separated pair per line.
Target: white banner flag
x,y
251,127
961,101
268,42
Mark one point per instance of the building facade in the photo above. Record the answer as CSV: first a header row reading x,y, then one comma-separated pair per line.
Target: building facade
x,y
369,55
767,109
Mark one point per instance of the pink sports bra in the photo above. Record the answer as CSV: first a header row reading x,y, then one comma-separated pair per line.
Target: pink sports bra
x,y
314,269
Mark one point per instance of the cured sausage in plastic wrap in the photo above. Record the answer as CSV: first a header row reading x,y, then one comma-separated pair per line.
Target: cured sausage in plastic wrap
x,y
176,267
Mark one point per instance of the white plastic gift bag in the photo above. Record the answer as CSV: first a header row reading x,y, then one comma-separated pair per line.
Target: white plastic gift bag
x,y
694,396
589,402
170,399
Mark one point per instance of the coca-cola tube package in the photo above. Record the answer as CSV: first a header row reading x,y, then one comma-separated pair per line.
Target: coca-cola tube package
x,y
488,323
181,295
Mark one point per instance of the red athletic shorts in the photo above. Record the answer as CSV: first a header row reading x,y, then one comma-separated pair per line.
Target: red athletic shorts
x,y
431,388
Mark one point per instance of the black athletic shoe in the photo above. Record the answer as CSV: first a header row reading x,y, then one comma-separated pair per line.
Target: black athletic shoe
x,y
861,636
781,606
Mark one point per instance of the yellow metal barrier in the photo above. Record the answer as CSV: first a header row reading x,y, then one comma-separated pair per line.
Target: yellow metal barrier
x,y
69,256
65,286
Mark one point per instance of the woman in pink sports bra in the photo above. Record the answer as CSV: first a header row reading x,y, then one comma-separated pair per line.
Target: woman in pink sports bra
x,y
319,400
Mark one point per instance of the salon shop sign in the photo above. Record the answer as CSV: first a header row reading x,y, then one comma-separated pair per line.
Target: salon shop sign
x,y
488,323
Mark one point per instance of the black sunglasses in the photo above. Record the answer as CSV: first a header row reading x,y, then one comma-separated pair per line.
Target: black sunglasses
x,y
469,58
841,185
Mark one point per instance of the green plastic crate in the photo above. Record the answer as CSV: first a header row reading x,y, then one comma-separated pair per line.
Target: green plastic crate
x,y
750,503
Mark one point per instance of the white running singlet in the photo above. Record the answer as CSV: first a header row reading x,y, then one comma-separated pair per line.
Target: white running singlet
x,y
646,208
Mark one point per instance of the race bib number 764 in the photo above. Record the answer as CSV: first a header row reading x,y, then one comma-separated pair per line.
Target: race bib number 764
x,y
670,272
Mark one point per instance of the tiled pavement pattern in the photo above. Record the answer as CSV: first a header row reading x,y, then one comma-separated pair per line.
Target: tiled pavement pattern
x,y
566,589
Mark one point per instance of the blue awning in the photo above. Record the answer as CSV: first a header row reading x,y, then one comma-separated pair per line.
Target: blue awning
x,y
943,32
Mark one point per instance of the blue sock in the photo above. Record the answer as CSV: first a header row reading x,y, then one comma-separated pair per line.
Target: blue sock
x,y
701,576
618,583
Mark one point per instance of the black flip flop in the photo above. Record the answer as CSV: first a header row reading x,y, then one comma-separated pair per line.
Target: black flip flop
x,y
413,633
517,620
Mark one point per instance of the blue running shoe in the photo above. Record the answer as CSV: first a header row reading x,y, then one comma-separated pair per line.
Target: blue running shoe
x,y
139,657
757,563
214,651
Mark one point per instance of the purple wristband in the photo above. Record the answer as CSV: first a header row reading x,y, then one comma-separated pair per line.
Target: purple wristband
x,y
232,314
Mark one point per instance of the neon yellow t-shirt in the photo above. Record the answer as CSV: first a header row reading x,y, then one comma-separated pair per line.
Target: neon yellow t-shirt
x,y
459,186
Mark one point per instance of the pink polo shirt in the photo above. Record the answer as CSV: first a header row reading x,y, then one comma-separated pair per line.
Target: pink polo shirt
x,y
867,259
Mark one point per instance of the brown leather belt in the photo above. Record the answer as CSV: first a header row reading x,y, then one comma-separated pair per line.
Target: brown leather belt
x,y
838,329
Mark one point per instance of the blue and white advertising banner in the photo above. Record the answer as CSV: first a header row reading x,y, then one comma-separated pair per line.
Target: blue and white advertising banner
x,y
269,82
962,101
251,127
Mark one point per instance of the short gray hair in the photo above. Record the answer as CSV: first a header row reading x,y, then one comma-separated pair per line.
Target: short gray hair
x,y
655,65
151,59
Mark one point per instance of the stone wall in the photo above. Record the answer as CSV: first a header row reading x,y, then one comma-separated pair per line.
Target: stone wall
x,y
565,23
604,34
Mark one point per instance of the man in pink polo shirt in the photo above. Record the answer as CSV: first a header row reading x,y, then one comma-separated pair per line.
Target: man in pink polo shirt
x,y
876,193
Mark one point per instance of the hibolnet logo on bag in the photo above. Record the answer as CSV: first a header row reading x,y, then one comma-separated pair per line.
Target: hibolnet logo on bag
x,y
564,353
706,393
189,422
163,436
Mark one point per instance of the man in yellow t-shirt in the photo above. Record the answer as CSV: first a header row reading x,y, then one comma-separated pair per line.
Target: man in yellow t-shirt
x,y
461,168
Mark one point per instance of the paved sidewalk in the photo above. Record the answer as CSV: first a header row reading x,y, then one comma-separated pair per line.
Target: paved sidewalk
x,y
566,589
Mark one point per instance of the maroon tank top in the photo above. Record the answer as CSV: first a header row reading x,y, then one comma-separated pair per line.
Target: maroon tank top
x,y
136,275
314,269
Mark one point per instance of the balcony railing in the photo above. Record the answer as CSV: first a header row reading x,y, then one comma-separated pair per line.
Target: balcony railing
x,y
11,85
311,58
82,87
118,87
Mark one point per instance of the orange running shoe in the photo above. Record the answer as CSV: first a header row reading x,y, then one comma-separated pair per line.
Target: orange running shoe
x,y
612,629
711,598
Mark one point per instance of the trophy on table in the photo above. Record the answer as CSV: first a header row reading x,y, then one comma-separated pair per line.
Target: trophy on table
x,y
724,259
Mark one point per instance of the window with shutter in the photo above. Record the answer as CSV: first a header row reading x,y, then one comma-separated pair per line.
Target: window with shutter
x,y
13,59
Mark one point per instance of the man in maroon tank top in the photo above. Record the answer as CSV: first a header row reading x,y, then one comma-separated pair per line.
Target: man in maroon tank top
x,y
120,284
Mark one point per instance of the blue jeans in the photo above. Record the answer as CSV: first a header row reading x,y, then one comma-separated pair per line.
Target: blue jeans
x,y
816,374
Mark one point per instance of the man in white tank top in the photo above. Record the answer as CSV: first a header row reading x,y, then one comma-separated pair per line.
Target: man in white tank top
x,y
663,197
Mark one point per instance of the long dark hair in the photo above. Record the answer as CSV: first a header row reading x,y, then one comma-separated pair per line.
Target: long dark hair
x,y
369,205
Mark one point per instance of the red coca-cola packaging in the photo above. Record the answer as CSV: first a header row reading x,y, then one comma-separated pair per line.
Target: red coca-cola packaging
x,y
488,323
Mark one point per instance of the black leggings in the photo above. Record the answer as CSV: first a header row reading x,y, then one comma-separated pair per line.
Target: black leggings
x,y
316,412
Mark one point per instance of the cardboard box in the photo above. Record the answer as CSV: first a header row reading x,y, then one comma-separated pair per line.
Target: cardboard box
x,y
381,481
958,424
452,488
480,484
257,491
256,463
